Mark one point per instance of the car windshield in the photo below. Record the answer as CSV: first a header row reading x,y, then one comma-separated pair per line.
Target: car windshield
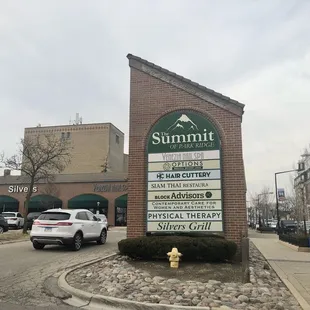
x,y
33,215
54,216
289,223
7,214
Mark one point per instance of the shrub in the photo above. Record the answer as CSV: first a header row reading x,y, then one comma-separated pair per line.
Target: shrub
x,y
207,249
296,239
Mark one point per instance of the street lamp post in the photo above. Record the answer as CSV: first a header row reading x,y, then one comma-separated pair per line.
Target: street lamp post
x,y
98,204
277,200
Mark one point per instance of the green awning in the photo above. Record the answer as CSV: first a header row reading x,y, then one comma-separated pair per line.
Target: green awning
x,y
121,202
88,201
7,199
8,203
44,202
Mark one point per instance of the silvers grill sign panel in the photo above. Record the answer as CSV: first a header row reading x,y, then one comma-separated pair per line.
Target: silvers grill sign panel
x,y
184,192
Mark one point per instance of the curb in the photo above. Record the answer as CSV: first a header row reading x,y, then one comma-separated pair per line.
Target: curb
x,y
95,301
295,247
12,241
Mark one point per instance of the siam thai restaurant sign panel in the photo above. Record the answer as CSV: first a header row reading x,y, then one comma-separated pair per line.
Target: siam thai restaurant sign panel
x,y
184,192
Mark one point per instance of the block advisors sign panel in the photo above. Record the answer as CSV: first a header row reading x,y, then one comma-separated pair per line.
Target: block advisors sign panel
x,y
184,175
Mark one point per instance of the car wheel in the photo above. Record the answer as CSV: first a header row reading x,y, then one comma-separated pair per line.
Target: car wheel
x,y
37,245
1,230
77,242
18,225
103,237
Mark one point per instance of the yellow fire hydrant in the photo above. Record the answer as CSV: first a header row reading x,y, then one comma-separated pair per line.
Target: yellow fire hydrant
x,y
174,258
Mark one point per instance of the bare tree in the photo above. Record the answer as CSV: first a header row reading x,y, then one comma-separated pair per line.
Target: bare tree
x,y
289,206
262,204
50,190
105,166
39,158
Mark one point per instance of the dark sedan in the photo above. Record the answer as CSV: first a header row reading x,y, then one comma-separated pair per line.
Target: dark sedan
x,y
4,226
31,217
287,227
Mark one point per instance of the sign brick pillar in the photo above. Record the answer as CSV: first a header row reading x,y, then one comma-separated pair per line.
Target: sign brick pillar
x,y
155,94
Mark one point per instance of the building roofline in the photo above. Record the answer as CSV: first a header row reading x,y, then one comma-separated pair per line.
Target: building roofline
x,y
69,126
187,85
69,178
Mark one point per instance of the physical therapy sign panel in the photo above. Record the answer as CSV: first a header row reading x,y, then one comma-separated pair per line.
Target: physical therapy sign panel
x,y
184,192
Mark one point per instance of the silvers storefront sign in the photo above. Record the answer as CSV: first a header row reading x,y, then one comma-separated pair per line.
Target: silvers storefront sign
x,y
110,188
21,189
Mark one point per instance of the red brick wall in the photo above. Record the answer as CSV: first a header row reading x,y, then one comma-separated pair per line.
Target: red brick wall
x,y
150,99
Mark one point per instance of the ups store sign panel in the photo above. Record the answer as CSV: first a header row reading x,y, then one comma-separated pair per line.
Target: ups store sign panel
x,y
184,179
110,187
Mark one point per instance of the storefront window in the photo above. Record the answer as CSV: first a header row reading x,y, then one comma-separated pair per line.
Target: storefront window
x,y
121,216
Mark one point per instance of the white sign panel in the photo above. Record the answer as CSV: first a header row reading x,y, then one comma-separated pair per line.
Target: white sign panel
x,y
188,175
184,165
181,226
186,185
175,205
185,195
184,215
176,156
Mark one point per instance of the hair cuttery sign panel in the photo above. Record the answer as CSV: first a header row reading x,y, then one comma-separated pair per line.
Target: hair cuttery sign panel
x,y
184,192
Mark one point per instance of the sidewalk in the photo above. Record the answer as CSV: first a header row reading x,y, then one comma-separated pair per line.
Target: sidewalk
x,y
292,267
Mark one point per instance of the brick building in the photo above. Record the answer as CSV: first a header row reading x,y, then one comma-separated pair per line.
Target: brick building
x,y
154,93
84,183
93,145
105,192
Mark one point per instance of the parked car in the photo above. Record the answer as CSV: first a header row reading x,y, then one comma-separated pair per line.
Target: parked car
x,y
103,218
273,224
287,226
66,227
4,226
15,219
31,217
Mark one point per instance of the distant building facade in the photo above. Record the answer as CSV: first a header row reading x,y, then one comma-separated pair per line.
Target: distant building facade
x,y
302,188
94,146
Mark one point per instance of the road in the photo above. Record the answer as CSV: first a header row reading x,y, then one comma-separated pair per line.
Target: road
x,y
25,272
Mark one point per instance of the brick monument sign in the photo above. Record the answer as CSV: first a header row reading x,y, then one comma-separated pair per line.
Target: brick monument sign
x,y
186,171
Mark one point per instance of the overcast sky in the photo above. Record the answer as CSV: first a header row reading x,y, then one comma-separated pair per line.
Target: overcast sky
x,y
61,57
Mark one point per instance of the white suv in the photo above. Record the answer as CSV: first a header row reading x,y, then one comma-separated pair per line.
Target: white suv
x,y
14,219
67,227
